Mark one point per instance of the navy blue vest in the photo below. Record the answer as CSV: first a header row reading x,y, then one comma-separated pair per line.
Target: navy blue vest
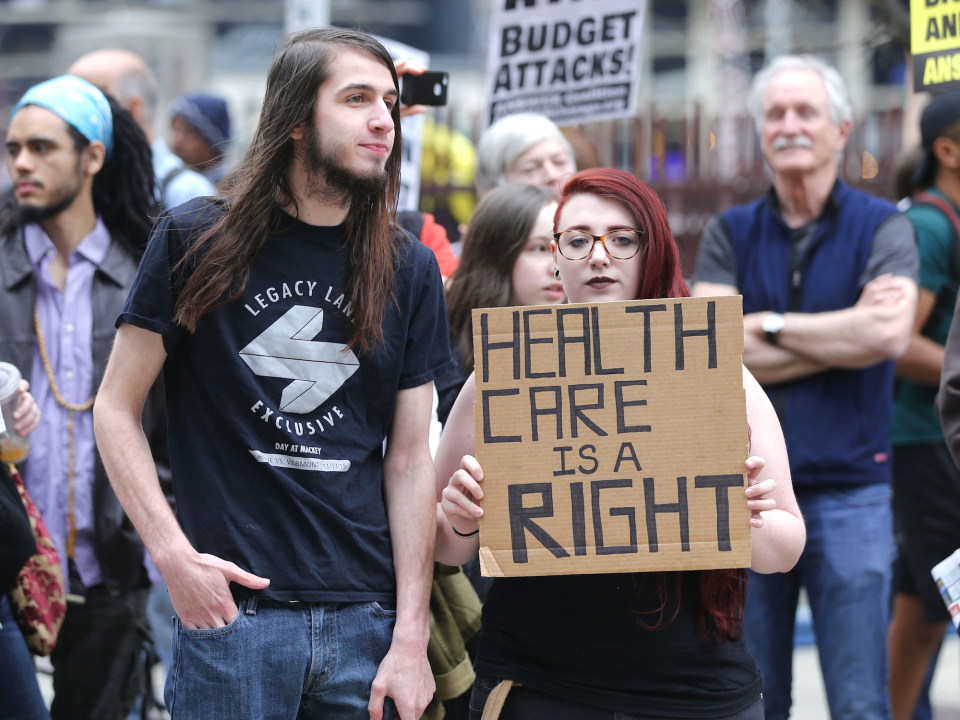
x,y
836,423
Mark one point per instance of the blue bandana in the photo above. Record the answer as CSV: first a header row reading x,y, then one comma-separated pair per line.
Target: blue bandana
x,y
78,102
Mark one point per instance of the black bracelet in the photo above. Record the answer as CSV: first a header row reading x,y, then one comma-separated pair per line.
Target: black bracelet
x,y
464,535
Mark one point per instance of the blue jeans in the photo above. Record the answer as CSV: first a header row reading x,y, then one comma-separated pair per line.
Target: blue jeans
x,y
20,697
283,661
846,568
159,612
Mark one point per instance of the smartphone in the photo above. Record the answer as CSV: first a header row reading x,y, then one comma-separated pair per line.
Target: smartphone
x,y
427,89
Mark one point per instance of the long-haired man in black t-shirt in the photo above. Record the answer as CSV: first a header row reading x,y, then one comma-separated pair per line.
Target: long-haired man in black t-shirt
x,y
296,329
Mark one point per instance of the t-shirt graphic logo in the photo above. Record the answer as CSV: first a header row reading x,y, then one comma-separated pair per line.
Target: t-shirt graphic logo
x,y
286,350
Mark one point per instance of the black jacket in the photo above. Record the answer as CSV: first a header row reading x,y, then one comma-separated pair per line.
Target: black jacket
x,y
17,544
948,400
118,548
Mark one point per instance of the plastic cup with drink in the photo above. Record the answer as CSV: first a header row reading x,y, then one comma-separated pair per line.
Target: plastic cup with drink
x,y
14,448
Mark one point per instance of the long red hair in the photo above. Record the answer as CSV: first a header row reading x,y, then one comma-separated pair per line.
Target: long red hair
x,y
722,592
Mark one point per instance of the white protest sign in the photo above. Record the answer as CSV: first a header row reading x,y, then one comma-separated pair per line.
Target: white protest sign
x,y
411,129
571,60
947,576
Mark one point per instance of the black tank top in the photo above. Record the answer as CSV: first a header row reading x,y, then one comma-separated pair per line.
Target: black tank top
x,y
577,637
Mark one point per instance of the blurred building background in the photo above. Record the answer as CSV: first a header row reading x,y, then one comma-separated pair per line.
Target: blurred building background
x,y
218,46
692,139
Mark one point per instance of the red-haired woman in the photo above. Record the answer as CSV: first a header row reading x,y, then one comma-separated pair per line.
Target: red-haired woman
x,y
644,645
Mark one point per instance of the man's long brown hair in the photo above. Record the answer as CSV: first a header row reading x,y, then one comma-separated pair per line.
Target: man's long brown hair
x,y
259,190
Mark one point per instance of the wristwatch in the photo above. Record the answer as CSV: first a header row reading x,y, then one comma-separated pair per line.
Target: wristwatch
x,y
772,324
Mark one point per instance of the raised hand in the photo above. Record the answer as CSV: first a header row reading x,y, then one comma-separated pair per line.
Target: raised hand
x,y
410,67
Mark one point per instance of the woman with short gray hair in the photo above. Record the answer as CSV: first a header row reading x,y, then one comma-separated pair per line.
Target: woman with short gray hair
x,y
526,148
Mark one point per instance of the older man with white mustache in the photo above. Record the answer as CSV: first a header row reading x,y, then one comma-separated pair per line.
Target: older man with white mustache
x,y
828,276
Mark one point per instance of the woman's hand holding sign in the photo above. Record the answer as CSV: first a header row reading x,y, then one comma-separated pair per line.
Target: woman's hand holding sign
x,y
457,511
458,498
459,506
759,493
776,525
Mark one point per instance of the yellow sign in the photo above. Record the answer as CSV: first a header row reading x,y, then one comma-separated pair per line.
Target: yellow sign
x,y
935,44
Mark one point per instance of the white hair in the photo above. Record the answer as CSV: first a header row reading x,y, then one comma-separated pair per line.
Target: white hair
x,y
139,82
509,138
837,102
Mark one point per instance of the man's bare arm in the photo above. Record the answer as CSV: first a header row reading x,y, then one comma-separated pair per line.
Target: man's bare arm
x,y
199,584
409,486
768,363
923,360
877,328
135,362
409,481
772,364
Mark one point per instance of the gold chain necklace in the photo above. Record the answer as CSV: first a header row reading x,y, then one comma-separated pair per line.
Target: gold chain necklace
x,y
71,409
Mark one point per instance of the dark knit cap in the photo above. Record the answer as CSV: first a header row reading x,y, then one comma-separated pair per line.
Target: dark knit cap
x,y
208,115
942,112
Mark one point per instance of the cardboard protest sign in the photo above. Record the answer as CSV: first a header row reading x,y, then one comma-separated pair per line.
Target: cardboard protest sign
x,y
935,45
572,61
612,437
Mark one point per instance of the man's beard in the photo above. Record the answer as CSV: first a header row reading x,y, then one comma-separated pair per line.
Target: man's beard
x,y
61,197
330,180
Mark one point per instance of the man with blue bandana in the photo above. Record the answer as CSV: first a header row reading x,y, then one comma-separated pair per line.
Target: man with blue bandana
x,y
126,77
72,231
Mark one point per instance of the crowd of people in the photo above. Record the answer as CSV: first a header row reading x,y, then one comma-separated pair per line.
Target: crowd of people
x,y
185,356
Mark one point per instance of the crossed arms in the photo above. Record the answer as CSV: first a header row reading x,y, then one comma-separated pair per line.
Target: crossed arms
x,y
877,328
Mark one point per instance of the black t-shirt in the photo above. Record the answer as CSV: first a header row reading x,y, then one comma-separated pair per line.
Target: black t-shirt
x,y
276,431
577,637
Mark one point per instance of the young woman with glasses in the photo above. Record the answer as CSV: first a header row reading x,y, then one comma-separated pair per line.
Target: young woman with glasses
x,y
642,645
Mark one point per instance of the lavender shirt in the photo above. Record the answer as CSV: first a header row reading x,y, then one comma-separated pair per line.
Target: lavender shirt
x,y
66,319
